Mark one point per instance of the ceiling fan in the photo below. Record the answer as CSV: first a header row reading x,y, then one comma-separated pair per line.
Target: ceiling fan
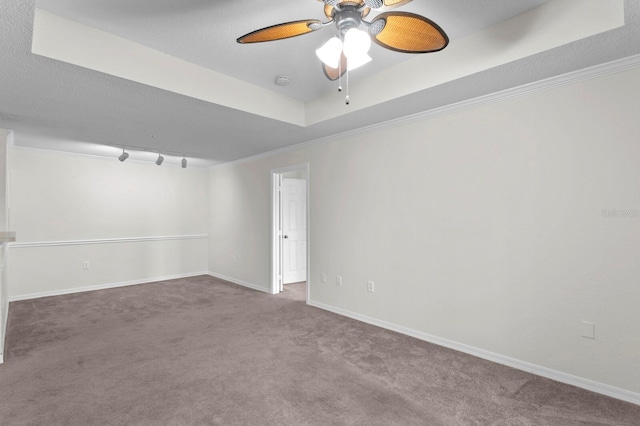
x,y
399,31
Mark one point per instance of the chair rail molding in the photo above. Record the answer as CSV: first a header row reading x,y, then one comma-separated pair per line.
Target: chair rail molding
x,y
107,241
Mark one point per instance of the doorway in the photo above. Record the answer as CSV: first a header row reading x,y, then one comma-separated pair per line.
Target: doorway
x,y
289,228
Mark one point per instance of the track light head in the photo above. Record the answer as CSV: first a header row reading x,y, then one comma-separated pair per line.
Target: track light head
x,y
184,163
159,160
123,156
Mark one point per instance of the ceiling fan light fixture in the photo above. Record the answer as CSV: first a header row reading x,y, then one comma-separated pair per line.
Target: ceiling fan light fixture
x,y
356,43
404,32
356,61
330,52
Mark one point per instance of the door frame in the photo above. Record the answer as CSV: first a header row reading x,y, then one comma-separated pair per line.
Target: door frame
x,y
276,234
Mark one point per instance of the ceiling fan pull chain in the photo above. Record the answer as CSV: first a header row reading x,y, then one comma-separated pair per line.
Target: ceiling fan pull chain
x,y
347,98
340,74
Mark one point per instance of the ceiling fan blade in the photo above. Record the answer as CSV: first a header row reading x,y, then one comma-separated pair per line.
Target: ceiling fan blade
x,y
391,4
408,33
281,31
374,4
335,73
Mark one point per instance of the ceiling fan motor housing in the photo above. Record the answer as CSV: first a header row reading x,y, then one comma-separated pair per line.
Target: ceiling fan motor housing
x,y
346,18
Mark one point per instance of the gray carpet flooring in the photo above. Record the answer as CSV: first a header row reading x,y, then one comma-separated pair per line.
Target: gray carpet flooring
x,y
202,351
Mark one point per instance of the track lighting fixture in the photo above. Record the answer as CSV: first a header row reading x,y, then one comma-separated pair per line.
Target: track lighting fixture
x,y
159,160
124,155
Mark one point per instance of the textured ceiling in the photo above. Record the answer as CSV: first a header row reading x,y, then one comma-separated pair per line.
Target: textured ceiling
x,y
204,32
56,105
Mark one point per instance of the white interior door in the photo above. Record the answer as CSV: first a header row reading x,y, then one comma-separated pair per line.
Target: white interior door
x,y
294,230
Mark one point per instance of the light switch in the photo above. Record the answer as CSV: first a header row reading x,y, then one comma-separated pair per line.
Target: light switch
x,y
588,330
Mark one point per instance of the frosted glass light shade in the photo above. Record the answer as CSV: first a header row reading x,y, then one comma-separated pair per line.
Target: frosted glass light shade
x,y
356,43
355,61
330,52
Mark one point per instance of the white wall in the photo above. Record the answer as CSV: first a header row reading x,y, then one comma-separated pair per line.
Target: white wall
x,y
4,292
64,207
4,140
483,227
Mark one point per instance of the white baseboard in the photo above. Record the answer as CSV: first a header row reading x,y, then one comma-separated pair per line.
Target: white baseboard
x,y
3,338
102,286
538,370
239,282
3,332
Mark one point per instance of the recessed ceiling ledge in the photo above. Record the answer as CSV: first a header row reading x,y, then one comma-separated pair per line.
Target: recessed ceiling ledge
x,y
65,40
553,24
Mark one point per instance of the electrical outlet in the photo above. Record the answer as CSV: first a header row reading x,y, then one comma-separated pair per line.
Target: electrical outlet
x,y
370,286
339,280
323,278
86,265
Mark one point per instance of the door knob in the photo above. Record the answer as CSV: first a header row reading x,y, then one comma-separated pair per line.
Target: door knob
x,y
286,236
